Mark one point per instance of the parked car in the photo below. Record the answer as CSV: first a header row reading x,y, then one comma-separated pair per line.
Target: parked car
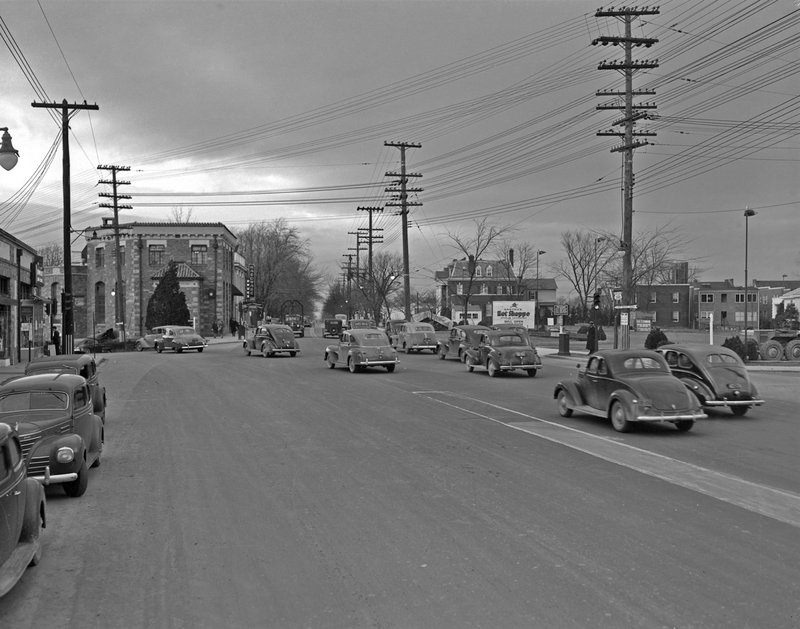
x,y
392,327
503,350
270,340
180,338
415,337
715,375
80,364
60,434
361,324
629,386
333,328
105,342
361,348
22,512
148,341
460,337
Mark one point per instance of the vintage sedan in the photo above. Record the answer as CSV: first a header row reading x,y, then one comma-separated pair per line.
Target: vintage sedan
x,y
361,348
22,512
715,375
499,351
332,328
180,338
629,386
459,338
361,324
416,337
148,341
270,340
60,434
80,364
392,327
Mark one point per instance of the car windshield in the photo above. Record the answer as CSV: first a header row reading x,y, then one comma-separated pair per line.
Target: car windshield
x,y
50,368
371,339
719,359
184,331
33,400
637,363
423,328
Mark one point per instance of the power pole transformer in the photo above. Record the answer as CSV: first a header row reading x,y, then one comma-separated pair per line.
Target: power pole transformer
x,y
633,112
401,200
119,293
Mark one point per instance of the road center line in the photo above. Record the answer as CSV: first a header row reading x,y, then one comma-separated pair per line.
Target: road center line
x,y
774,503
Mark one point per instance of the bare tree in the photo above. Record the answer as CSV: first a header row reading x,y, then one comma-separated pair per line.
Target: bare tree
x,y
517,260
474,247
386,281
52,254
180,214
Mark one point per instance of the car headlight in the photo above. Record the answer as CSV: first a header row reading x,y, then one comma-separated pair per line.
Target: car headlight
x,y
65,455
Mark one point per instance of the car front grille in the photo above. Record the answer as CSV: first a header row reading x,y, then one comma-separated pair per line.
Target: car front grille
x,y
37,465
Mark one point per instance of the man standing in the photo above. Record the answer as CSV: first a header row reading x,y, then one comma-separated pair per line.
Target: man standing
x,y
591,338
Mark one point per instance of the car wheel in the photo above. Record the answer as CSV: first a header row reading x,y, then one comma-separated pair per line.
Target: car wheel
x,y
200,350
531,373
159,348
442,353
390,368
76,488
792,350
619,417
331,361
139,346
265,351
468,363
771,350
740,411
563,404
32,523
351,364
405,349
292,354
685,425
491,366
178,348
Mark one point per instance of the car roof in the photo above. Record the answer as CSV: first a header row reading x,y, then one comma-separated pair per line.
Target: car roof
x,y
73,360
618,356
46,381
361,332
699,349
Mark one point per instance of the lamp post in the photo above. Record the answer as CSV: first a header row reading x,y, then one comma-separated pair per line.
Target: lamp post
x,y
747,214
8,154
539,252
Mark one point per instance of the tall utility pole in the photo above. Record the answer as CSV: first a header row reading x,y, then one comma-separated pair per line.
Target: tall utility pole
x,y
402,200
358,250
371,211
119,294
633,112
349,257
67,318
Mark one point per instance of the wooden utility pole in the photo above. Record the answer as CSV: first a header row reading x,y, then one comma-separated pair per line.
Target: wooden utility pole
x,y
370,229
633,112
119,293
67,318
402,200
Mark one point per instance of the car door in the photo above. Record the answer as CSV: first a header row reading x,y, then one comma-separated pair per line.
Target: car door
x,y
83,417
12,496
595,382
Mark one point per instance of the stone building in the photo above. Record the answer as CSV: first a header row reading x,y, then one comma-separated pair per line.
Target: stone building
x,y
207,273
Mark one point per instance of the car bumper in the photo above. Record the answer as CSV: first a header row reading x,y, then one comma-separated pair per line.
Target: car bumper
x,y
737,402
523,366
376,362
430,346
649,417
54,479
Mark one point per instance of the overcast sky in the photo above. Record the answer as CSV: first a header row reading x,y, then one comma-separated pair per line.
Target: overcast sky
x,y
244,111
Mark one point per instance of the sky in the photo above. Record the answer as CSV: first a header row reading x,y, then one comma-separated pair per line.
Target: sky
x,y
240,111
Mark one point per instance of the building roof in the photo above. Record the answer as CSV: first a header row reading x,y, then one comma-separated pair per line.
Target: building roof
x,y
185,272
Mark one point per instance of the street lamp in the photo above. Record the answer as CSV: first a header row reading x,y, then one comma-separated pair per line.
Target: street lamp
x,y
538,309
8,154
747,214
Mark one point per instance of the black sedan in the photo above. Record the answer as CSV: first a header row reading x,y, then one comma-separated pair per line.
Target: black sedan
x,y
715,375
629,386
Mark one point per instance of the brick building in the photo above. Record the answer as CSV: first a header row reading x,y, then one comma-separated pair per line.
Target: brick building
x,y
207,273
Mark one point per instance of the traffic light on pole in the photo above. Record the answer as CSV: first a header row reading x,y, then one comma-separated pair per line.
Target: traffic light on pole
x,y
596,301
66,302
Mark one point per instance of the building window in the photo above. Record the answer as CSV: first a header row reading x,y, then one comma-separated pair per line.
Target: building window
x,y
99,257
676,316
676,297
4,285
653,297
751,298
489,271
706,314
459,289
100,302
157,254
478,271
199,254
739,298
484,289
723,298
739,317
706,298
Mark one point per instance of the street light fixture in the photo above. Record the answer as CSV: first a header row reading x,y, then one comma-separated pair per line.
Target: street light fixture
x,y
747,214
8,154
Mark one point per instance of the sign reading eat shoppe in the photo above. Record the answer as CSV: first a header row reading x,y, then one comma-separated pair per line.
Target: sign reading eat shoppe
x,y
516,312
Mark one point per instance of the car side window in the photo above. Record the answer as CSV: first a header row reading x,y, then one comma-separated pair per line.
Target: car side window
x,y
602,368
591,367
684,362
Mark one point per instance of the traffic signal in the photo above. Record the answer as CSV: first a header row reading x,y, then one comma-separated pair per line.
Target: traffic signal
x,y
596,301
66,302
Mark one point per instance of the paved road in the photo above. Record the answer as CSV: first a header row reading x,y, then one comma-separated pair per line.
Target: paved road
x,y
252,492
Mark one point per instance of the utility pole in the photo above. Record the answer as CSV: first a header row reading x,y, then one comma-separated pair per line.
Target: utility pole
x,y
633,112
357,249
370,211
349,257
67,318
402,200
119,294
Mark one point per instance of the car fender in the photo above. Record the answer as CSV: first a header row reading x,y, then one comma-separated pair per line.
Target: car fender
x,y
625,397
35,510
699,389
49,445
572,390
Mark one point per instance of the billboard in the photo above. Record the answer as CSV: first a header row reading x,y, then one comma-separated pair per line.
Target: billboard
x,y
517,312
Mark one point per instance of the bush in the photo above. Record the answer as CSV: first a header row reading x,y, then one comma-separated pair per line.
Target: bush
x,y
655,339
734,343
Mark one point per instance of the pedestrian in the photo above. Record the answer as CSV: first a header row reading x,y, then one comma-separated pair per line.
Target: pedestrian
x,y
220,328
56,340
233,326
214,328
591,339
